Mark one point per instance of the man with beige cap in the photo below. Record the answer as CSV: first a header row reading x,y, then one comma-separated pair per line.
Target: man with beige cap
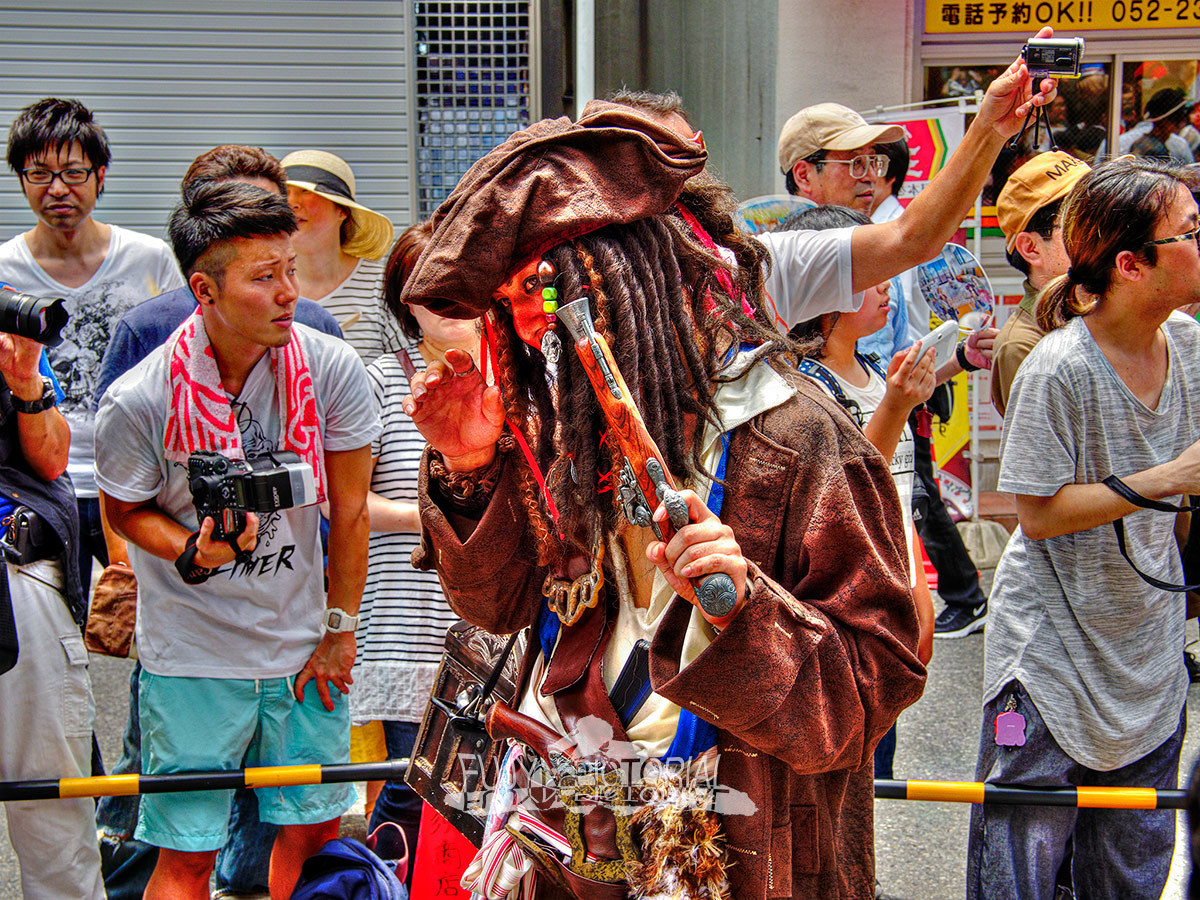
x,y
827,154
827,150
1027,210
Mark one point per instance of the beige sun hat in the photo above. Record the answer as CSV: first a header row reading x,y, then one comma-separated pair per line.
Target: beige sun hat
x,y
328,176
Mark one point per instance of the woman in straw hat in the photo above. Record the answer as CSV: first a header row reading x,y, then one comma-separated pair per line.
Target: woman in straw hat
x,y
340,247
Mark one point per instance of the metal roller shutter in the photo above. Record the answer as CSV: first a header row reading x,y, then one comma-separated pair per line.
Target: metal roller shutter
x,y
169,82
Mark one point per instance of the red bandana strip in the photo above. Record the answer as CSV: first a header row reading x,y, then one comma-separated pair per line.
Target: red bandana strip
x,y
201,417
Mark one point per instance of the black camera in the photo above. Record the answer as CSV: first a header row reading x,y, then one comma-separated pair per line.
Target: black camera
x,y
40,319
226,489
1053,57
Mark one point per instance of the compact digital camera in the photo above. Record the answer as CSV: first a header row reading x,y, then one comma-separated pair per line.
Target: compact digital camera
x,y
227,489
1053,57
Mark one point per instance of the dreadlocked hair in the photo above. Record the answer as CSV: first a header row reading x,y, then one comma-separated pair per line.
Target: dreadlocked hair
x,y
517,366
670,324
713,204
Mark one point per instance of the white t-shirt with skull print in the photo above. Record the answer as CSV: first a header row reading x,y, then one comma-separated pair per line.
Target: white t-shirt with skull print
x,y
136,268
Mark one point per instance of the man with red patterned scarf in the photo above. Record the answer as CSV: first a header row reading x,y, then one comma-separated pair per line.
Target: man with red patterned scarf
x,y
241,649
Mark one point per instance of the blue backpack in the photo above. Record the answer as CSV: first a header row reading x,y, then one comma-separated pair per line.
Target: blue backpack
x,y
346,870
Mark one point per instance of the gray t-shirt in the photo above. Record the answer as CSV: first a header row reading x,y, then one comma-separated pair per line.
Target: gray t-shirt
x,y
256,621
1098,649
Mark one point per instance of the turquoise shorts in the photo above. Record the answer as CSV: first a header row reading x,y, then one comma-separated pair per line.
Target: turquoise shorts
x,y
199,724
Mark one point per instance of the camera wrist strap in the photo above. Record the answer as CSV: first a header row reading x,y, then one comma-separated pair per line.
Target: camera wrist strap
x,y
1115,484
244,557
186,563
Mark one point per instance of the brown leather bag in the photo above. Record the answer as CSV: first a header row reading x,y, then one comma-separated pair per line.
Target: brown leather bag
x,y
454,762
110,620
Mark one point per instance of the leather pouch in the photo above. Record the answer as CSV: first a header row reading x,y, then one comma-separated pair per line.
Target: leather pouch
x,y
111,618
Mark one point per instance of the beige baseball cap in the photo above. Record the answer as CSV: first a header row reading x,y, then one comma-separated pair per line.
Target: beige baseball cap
x,y
1045,178
829,126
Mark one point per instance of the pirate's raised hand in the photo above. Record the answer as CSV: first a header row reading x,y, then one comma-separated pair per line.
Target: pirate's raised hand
x,y
459,413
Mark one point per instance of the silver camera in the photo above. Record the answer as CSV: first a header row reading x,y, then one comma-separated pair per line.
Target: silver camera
x,y
1053,57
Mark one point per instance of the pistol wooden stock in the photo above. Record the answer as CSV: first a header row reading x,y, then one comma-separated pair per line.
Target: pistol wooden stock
x,y
646,463
503,722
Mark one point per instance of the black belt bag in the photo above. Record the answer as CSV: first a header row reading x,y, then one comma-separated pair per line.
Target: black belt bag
x,y
27,538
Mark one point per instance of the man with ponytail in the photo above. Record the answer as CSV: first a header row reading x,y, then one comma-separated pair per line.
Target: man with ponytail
x,y
1084,681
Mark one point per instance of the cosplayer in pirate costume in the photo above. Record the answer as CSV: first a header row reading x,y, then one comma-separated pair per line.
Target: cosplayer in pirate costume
x,y
778,703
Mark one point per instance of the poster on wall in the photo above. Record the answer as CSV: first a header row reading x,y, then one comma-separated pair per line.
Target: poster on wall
x,y
932,135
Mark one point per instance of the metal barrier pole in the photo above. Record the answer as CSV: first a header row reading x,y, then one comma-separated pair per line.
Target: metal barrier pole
x,y
390,770
1081,797
263,776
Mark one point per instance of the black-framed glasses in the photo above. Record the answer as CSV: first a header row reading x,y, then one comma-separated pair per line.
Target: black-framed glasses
x,y
1179,238
874,164
73,175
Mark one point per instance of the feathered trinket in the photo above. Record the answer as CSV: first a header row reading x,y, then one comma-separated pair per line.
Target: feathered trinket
x,y
683,853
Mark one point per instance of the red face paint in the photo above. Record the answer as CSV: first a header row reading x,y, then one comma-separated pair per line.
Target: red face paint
x,y
522,293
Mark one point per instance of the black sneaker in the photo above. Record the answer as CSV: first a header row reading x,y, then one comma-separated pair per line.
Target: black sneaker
x,y
958,621
1192,666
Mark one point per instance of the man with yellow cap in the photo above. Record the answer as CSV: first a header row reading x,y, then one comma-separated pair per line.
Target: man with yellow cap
x,y
1027,210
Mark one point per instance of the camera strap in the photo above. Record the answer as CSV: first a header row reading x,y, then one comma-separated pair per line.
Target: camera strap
x,y
194,574
186,563
1115,484
243,557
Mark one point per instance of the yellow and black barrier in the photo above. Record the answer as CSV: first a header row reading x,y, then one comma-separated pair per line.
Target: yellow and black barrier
x,y
391,770
1081,797
261,777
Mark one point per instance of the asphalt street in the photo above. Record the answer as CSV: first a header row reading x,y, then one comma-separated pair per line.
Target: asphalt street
x,y
921,847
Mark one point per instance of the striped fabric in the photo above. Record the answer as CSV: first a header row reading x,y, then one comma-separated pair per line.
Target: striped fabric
x,y
404,616
500,866
357,305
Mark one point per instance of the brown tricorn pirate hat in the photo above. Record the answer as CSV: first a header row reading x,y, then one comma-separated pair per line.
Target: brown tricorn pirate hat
x,y
552,182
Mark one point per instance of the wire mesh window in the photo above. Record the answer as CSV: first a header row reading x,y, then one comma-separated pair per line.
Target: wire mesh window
x,y
472,87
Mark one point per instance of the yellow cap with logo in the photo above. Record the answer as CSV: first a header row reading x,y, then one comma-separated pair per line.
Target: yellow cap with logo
x,y
1041,181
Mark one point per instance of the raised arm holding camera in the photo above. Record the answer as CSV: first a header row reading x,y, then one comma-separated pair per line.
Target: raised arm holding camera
x,y
230,631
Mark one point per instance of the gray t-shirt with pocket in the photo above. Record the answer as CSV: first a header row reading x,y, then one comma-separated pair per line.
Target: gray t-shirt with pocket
x,y
1099,650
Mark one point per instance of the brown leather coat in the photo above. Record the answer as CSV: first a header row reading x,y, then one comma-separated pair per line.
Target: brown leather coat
x,y
805,680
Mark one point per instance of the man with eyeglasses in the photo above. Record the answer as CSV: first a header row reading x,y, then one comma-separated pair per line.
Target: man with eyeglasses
x,y
60,156
1084,683
828,155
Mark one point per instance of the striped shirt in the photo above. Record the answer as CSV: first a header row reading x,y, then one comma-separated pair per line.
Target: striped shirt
x,y
357,303
404,616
